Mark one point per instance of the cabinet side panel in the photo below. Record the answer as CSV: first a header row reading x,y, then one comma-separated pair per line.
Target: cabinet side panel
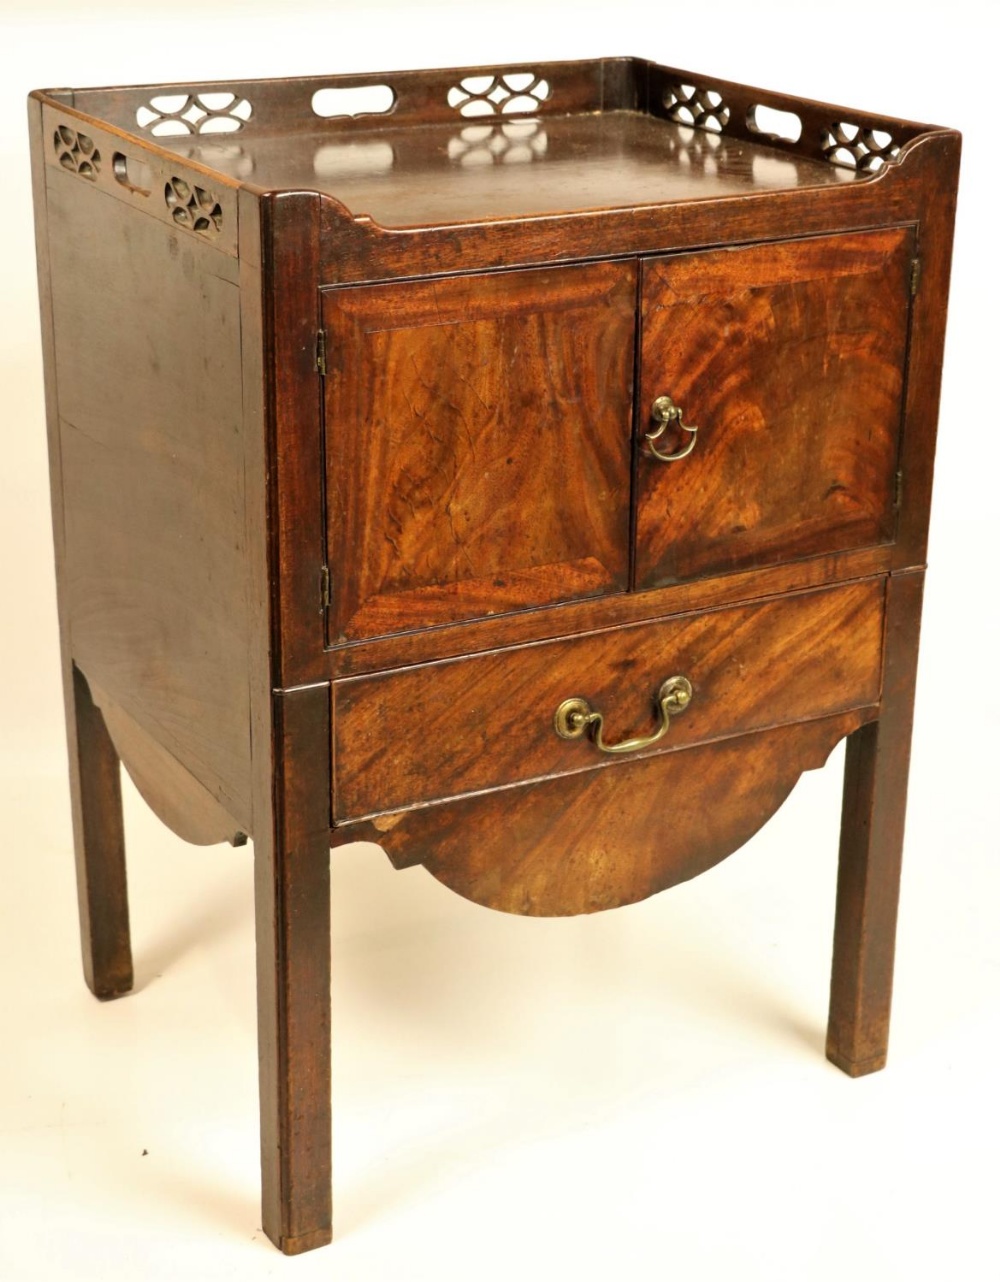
x,y
147,356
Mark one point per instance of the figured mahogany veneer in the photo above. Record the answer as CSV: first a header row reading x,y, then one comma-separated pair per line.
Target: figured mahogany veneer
x,y
790,357
453,408
376,438
486,721
664,813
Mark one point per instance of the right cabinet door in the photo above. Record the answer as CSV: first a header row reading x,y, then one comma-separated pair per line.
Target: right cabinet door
x,y
789,359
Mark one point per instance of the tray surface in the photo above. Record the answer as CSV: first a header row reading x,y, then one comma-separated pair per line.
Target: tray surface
x,y
434,173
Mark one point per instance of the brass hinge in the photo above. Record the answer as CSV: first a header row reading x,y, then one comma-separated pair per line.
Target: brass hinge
x,y
324,587
914,277
898,497
321,352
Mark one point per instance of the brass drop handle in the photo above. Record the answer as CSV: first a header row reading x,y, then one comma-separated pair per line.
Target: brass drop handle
x,y
665,412
575,717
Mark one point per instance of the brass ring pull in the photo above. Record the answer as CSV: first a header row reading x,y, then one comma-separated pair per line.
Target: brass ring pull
x,y
665,412
575,717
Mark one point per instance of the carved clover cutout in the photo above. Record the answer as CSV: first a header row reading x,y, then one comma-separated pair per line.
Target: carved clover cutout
x,y
513,93
77,153
866,150
693,105
174,115
193,207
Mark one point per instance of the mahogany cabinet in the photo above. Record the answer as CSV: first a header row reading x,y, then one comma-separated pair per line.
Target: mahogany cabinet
x,y
525,468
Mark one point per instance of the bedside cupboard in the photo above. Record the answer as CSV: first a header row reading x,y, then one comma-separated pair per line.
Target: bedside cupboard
x,y
525,468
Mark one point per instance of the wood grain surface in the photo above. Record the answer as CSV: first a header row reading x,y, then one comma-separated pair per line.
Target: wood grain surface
x,y
609,837
487,721
478,444
871,849
287,490
901,192
292,901
585,87
99,844
790,359
595,613
360,250
147,360
172,793
466,472
407,177
595,139
94,779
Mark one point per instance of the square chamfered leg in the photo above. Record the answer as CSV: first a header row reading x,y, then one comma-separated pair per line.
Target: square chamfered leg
x,y
99,842
871,847
292,891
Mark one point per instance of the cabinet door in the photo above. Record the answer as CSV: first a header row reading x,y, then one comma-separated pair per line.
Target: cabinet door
x,y
478,436
789,359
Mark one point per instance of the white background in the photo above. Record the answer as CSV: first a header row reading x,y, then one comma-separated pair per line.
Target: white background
x,y
638,1095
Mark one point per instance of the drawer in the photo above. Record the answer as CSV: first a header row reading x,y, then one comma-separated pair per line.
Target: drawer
x,y
478,445
789,360
445,729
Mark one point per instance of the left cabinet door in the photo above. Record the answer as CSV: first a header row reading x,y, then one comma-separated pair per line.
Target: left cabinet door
x,y
478,440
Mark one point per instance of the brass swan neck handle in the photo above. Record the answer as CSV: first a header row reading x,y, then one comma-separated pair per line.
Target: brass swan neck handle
x,y
665,412
576,717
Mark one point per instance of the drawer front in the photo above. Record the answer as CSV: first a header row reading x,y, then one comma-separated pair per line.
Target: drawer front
x,y
478,436
789,359
444,729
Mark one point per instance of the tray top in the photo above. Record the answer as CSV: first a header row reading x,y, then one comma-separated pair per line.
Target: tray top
x,y
466,145
435,174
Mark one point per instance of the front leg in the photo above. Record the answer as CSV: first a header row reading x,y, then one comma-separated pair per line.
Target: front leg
x,y
871,848
292,891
